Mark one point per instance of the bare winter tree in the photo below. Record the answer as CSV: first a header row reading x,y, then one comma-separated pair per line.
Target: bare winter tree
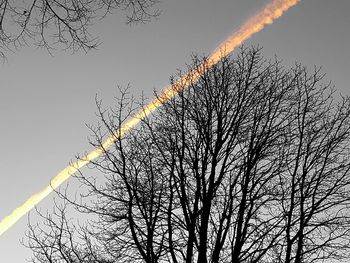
x,y
249,163
62,24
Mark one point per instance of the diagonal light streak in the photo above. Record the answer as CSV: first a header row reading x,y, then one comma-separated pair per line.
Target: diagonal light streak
x,y
266,16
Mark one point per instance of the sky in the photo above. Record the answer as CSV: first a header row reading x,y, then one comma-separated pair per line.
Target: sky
x,y
46,101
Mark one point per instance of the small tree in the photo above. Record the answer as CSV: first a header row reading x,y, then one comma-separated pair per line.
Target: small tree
x,y
62,24
249,163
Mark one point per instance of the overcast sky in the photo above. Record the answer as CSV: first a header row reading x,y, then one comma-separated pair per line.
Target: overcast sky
x,y
45,101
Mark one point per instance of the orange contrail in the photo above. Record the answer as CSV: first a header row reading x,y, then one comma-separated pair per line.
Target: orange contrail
x,y
266,16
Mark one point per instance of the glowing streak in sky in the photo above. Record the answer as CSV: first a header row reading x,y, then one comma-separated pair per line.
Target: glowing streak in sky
x,y
266,16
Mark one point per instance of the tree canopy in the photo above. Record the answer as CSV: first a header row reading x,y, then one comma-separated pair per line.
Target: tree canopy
x,y
249,163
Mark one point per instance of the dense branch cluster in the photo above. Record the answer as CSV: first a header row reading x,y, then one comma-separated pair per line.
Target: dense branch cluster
x,y
250,163
62,24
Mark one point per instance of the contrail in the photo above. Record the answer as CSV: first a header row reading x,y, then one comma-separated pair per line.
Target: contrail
x,y
266,16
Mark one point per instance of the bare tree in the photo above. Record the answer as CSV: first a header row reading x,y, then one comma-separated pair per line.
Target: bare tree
x,y
314,188
62,24
249,163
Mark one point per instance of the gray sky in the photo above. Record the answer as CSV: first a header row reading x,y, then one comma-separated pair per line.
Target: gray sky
x,y
45,101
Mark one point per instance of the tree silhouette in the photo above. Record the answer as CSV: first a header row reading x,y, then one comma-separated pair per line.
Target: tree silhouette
x,y
249,163
63,24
